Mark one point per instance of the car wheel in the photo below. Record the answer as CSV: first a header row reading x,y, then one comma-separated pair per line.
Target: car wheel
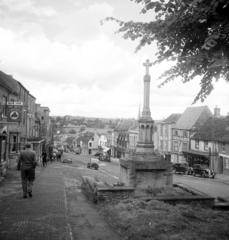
x,y
194,174
186,172
213,177
203,175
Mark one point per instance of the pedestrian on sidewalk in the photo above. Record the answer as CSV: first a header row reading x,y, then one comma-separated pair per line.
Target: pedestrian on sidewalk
x,y
44,158
27,164
58,156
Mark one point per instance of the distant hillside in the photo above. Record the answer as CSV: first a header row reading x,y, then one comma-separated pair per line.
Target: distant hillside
x,y
89,118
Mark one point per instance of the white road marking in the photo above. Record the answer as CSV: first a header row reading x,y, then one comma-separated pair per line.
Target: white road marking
x,y
109,174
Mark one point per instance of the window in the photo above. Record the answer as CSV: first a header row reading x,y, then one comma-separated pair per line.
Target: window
x,y
206,145
185,134
166,130
165,145
227,163
92,139
90,145
4,101
175,133
161,130
184,146
223,147
161,145
197,144
24,117
13,143
175,146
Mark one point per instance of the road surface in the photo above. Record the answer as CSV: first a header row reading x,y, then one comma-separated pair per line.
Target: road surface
x,y
212,187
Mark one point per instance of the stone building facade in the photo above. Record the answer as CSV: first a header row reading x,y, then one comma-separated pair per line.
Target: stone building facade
x,y
18,123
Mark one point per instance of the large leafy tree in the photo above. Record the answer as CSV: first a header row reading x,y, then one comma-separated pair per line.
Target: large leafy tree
x,y
194,33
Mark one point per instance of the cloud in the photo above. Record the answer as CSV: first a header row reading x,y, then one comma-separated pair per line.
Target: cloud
x,y
82,24
26,6
75,66
97,62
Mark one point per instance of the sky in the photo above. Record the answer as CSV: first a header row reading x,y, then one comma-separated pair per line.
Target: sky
x,y
75,66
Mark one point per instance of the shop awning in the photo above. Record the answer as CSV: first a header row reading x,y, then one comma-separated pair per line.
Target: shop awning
x,y
35,140
199,153
105,149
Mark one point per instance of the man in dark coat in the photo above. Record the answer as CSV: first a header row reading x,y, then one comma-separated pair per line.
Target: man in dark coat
x,y
27,163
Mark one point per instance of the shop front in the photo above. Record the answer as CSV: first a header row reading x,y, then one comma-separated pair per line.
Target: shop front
x,y
37,146
197,157
3,163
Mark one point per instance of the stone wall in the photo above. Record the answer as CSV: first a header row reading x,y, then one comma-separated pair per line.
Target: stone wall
x,y
13,160
103,192
141,173
3,167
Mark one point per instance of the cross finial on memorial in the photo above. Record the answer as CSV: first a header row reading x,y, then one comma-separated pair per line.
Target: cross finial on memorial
x,y
147,64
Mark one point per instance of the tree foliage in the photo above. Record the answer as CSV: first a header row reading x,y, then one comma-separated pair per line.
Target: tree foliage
x,y
72,131
69,140
194,33
82,129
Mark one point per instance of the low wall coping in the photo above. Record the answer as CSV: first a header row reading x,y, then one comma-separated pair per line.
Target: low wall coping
x,y
115,189
190,189
177,198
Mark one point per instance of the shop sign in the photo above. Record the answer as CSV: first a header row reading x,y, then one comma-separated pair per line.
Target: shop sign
x,y
15,103
14,114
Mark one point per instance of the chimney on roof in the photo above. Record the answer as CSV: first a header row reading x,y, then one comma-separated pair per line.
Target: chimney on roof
x,y
216,111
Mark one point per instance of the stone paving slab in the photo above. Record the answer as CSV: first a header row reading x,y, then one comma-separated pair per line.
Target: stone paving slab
x,y
44,216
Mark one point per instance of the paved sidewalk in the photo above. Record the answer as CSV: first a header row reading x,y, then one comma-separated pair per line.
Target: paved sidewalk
x,y
44,216
222,177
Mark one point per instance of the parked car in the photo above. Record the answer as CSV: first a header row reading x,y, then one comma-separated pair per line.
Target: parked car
x,y
180,168
203,171
96,154
104,158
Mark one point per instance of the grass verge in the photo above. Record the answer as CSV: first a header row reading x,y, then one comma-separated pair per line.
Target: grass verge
x,y
137,219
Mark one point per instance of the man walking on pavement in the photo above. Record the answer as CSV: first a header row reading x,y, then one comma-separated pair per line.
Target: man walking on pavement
x,y
27,163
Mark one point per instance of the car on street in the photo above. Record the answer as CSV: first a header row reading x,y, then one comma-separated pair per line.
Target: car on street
x,y
97,154
180,168
203,171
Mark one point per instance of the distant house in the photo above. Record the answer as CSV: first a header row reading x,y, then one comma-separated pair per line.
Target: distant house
x,y
133,136
110,141
210,145
102,142
121,134
93,143
164,134
188,124
83,142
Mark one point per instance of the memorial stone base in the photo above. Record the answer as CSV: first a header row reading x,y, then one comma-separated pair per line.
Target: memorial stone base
x,y
142,171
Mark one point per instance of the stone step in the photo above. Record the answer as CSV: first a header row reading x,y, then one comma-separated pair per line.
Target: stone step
x,y
223,199
221,206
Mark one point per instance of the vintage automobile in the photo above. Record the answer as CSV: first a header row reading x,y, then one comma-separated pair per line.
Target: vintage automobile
x,y
203,171
96,154
93,164
106,158
180,168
